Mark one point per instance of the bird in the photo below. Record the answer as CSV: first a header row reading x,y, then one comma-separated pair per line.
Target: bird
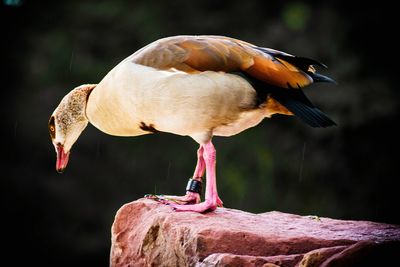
x,y
199,86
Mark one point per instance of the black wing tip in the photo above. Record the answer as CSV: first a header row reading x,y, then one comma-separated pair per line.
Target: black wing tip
x,y
311,61
317,123
313,117
324,121
322,78
297,103
301,62
310,115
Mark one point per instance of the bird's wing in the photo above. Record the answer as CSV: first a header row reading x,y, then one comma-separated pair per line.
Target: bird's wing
x,y
268,70
216,53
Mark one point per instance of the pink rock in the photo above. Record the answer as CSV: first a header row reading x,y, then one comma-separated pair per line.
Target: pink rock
x,y
146,233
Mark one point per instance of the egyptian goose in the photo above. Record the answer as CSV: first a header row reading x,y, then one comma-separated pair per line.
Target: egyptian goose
x,y
197,86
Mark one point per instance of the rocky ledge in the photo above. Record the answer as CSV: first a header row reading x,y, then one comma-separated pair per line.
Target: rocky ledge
x,y
146,233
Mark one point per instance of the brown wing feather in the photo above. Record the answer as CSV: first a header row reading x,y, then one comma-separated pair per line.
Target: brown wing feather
x,y
216,53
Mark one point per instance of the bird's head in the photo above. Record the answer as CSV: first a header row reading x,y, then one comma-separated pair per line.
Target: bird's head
x,y
67,122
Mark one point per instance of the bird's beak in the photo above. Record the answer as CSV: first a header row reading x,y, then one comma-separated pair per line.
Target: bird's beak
x,y
62,158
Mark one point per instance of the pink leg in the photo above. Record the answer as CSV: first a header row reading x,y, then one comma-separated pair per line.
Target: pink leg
x,y
190,197
201,165
211,199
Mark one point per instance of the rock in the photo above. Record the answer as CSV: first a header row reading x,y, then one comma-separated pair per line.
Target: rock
x,y
312,258
146,233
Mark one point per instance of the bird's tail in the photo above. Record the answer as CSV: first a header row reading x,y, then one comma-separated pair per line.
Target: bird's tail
x,y
292,99
297,103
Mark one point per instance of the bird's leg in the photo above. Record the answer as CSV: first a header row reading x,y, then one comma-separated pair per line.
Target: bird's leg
x,y
191,197
201,165
211,199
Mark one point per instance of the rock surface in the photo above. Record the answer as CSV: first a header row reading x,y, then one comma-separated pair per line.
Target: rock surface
x,y
146,233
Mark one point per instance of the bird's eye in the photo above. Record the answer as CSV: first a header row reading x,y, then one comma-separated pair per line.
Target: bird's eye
x,y
52,128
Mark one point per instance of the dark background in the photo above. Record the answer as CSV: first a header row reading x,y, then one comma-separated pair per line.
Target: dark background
x,y
48,48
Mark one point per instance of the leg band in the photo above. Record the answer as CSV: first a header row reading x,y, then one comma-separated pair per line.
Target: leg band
x,y
194,186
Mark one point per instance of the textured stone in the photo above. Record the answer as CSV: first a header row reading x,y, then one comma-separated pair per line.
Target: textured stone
x,y
146,233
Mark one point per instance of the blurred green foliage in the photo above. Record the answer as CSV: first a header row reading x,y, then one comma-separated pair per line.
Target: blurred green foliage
x,y
343,172
296,15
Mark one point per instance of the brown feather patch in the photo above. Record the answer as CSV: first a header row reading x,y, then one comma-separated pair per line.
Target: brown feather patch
x,y
148,128
274,107
217,53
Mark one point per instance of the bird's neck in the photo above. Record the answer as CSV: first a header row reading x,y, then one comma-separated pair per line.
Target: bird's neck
x,y
79,99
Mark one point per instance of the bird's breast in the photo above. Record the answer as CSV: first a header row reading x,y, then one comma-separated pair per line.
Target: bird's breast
x,y
133,100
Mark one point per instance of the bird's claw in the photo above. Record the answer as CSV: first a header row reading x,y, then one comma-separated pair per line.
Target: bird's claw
x,y
155,197
188,202
200,207
189,198
219,202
